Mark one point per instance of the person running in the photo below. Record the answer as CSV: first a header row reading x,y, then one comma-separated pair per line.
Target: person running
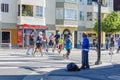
x,y
57,37
45,47
39,43
31,42
68,46
60,44
51,40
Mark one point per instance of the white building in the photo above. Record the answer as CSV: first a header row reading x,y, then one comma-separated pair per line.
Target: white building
x,y
18,17
8,21
21,16
88,11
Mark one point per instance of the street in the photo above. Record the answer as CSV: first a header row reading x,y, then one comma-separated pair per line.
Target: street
x,y
16,65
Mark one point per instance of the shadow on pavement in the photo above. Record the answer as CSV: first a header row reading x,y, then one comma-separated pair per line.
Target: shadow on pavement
x,y
111,72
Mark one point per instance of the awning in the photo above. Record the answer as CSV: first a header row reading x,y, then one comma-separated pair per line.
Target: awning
x,y
26,26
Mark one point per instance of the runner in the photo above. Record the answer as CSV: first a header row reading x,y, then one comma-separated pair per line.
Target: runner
x,y
31,42
45,46
51,42
39,43
60,44
68,46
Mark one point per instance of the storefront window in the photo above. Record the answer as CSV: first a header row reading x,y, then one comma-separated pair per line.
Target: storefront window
x,y
91,37
39,11
5,37
27,10
70,14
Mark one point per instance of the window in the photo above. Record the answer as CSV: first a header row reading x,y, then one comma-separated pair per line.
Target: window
x,y
81,16
110,3
81,2
105,3
71,1
18,10
59,13
89,16
39,11
27,10
70,14
89,2
4,7
6,37
95,15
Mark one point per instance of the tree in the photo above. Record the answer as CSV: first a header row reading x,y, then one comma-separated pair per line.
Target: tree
x,y
110,24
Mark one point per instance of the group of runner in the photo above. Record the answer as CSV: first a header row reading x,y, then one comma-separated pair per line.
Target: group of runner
x,y
57,41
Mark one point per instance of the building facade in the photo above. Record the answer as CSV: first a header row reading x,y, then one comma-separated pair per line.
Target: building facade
x,y
19,17
87,14
8,22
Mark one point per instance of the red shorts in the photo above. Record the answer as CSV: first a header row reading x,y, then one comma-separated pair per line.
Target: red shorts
x,y
60,46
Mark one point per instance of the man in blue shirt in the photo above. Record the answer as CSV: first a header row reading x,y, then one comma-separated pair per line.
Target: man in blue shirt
x,y
85,50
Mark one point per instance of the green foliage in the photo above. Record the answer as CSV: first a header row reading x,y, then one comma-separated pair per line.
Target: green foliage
x,y
110,24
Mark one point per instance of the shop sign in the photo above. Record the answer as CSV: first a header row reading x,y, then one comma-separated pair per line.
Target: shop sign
x,y
19,37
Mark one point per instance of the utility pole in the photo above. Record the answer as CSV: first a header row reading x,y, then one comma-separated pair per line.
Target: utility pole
x,y
99,2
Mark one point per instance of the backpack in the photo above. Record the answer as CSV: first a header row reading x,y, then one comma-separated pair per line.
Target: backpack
x,y
72,67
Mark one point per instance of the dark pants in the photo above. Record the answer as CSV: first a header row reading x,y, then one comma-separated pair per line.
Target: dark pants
x,y
118,49
85,62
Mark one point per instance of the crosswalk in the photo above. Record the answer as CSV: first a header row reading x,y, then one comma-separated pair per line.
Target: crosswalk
x,y
15,59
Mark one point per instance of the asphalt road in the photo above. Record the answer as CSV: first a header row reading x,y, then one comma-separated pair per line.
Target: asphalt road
x,y
16,65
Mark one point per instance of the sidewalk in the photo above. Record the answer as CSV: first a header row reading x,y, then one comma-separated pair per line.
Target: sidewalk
x,y
99,72
105,71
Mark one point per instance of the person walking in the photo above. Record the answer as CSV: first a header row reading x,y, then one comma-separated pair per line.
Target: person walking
x,y
39,44
112,43
31,42
68,46
107,43
85,50
118,42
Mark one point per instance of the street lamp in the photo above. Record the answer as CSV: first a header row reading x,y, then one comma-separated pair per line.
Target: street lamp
x,y
99,2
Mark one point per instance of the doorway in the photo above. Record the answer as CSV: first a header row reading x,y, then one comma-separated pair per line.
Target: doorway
x,y
66,32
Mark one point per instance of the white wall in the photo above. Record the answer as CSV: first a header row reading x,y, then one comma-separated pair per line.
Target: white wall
x,y
50,11
33,2
93,8
33,20
11,16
